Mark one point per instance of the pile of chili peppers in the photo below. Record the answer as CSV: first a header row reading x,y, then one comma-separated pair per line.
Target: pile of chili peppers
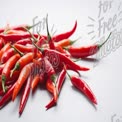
x,y
28,60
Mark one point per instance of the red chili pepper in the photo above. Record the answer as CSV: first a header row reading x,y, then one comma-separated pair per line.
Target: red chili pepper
x,y
62,58
6,55
25,72
59,83
8,32
1,68
15,37
25,95
83,87
6,70
19,27
51,88
7,96
4,49
41,41
24,41
25,49
7,88
50,40
82,52
2,42
66,60
47,67
66,35
35,82
27,58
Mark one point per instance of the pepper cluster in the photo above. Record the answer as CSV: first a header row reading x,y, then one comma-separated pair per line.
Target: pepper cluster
x,y
26,62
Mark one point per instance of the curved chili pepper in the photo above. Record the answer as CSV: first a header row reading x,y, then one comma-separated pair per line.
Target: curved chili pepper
x,y
25,95
59,82
2,93
10,52
27,58
7,96
25,72
35,81
24,41
83,87
66,35
62,58
82,52
51,88
41,41
6,70
47,67
66,60
4,49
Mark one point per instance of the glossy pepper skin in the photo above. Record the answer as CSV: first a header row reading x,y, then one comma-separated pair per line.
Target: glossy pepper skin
x,y
25,95
65,35
64,59
84,88
59,83
7,96
83,52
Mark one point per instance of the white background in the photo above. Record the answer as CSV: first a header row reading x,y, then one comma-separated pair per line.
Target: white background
x,y
104,79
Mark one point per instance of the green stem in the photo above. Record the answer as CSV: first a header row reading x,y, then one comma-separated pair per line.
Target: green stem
x,y
29,27
48,34
3,83
73,41
105,40
41,49
31,34
21,54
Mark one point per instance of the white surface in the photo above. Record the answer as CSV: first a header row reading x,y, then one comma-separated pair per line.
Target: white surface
x,y
105,79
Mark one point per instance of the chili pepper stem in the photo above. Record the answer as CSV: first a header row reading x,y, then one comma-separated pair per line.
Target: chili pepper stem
x,y
67,72
15,68
29,27
31,34
73,41
105,40
48,34
41,49
21,54
3,83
